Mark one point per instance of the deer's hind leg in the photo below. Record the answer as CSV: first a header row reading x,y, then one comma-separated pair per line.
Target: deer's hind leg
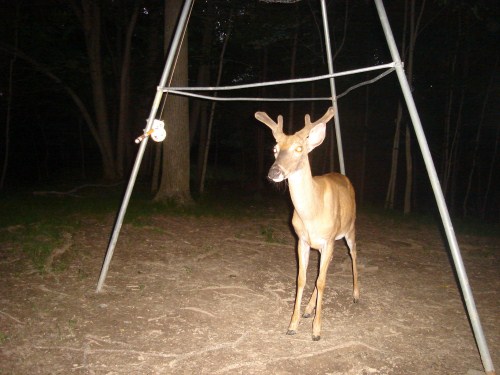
x,y
351,242
325,259
312,304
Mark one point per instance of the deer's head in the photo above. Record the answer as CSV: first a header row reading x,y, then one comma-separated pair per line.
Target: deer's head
x,y
291,151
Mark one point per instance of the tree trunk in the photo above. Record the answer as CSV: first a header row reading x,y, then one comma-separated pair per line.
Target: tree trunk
x,y
391,188
291,107
200,107
260,133
478,139
409,172
84,111
156,48
82,150
174,182
155,179
124,141
447,152
415,21
91,20
361,189
212,108
451,167
490,174
333,140
202,120
199,111
9,106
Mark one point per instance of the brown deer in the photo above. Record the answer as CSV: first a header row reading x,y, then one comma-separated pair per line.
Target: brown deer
x,y
325,208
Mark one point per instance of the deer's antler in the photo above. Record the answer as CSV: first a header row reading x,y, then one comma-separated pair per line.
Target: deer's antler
x,y
277,128
309,125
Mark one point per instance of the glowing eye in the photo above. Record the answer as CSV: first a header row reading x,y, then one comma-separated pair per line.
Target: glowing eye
x,y
298,149
275,150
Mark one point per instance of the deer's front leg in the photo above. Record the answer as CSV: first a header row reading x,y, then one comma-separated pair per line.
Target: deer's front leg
x,y
326,257
303,250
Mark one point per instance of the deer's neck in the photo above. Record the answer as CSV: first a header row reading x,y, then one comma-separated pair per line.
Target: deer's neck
x,y
304,191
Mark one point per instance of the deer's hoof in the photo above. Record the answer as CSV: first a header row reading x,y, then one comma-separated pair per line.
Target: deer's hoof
x,y
291,332
306,315
355,300
316,338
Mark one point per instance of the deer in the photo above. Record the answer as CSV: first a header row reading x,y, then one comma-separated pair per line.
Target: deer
x,y
324,209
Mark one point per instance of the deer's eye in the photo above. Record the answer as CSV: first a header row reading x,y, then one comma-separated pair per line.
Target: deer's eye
x,y
298,149
275,150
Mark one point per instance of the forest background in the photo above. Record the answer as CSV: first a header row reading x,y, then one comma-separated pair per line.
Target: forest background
x,y
78,79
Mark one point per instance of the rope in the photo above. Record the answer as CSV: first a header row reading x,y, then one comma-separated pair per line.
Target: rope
x,y
182,91
369,82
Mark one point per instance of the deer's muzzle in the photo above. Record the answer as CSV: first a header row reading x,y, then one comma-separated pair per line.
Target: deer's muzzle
x,y
275,173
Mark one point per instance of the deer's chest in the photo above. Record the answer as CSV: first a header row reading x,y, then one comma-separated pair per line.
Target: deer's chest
x,y
315,232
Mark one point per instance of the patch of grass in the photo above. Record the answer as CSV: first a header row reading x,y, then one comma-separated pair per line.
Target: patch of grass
x,y
82,274
37,223
268,233
477,228
224,203
411,221
3,338
421,220
72,322
36,240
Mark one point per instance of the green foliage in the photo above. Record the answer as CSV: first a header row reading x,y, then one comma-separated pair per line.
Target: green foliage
x,y
268,233
423,220
36,224
3,337
477,228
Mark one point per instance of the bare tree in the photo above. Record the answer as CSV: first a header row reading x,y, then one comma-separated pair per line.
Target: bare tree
x,y
123,148
89,15
337,52
448,140
477,139
174,181
490,173
291,93
391,188
410,35
8,115
199,109
212,108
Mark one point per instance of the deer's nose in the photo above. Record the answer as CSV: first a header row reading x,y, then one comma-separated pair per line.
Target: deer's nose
x,y
275,173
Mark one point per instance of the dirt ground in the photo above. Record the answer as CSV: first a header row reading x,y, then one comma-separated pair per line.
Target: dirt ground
x,y
188,295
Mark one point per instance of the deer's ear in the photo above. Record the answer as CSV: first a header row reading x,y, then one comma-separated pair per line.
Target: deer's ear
x,y
316,136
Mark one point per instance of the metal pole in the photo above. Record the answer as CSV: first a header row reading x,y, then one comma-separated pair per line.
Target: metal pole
x,y
332,87
175,45
438,193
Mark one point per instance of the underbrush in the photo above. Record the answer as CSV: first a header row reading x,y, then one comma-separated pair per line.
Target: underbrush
x,y
39,224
